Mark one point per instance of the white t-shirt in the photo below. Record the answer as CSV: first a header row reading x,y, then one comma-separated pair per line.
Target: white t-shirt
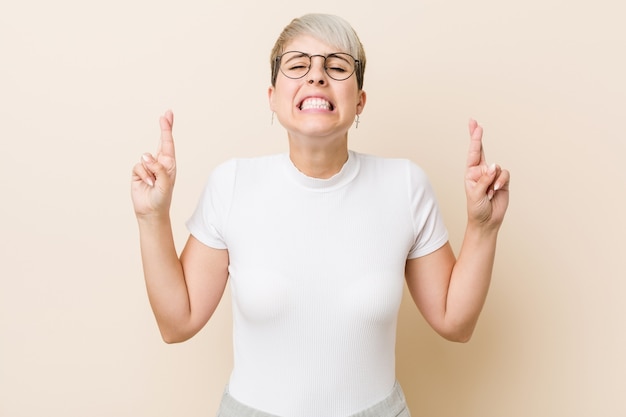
x,y
316,274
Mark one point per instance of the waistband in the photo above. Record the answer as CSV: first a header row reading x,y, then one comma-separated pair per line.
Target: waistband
x,y
394,405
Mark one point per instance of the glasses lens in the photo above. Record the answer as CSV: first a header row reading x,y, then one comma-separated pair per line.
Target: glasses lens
x,y
338,66
295,64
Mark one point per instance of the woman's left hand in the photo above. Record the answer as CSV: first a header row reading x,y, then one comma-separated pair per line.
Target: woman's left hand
x,y
486,186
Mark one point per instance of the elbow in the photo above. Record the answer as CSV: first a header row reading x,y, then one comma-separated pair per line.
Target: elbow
x,y
171,337
178,331
458,335
172,340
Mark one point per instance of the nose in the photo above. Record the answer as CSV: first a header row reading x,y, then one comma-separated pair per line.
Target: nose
x,y
317,73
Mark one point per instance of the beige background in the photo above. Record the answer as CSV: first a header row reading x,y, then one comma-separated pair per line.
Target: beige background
x,y
82,85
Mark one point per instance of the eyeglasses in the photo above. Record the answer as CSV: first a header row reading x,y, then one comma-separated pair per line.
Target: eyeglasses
x,y
295,64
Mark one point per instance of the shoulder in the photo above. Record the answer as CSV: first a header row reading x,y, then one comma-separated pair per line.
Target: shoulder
x,y
247,175
392,167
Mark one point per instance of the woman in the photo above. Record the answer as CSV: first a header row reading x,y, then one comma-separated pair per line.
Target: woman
x,y
317,243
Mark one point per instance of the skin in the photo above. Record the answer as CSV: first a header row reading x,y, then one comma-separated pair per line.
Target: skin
x,y
450,293
318,139
185,291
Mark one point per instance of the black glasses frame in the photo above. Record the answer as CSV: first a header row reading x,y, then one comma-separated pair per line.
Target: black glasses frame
x,y
280,57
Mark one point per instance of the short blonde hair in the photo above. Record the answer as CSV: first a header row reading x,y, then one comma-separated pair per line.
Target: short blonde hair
x,y
327,28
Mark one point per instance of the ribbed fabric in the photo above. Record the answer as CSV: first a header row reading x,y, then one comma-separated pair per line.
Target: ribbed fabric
x,y
316,276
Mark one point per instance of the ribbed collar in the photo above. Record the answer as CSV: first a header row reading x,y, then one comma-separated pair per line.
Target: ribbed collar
x,y
348,172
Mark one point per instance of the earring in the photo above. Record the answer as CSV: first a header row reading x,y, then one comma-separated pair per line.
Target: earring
x,y
357,121
272,122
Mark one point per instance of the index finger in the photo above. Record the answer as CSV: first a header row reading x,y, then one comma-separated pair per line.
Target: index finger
x,y
476,153
166,144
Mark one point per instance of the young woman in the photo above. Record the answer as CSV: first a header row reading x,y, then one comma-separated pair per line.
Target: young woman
x,y
317,243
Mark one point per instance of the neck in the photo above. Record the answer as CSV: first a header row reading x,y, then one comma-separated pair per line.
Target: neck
x,y
319,161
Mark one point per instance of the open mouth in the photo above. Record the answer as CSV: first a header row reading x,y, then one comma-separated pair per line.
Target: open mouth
x,y
316,103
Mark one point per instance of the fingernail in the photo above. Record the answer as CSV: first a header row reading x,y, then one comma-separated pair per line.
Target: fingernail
x,y
496,187
490,194
149,182
146,157
492,168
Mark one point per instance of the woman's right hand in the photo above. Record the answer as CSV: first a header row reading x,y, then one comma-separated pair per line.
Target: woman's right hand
x,y
153,177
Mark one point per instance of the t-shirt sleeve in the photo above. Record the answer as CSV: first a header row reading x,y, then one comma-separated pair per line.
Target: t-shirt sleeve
x,y
429,229
208,221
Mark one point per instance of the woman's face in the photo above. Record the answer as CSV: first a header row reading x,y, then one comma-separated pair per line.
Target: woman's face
x,y
315,105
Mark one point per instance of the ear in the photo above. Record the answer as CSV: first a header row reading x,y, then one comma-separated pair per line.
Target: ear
x,y
270,97
361,103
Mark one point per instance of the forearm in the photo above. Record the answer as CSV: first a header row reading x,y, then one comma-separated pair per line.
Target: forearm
x,y
164,276
450,292
470,280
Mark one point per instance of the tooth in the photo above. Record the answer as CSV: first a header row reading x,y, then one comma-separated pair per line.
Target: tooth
x,y
315,103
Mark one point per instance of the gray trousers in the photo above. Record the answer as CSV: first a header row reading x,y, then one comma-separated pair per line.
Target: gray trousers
x,y
392,406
